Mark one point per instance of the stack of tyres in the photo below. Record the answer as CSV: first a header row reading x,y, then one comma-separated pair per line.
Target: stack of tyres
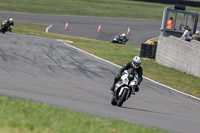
x,y
153,55
143,50
148,50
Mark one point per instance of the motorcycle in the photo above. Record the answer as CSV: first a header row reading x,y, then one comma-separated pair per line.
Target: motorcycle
x,y
117,39
124,87
4,28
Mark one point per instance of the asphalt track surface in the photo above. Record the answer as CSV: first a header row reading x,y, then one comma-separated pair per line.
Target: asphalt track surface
x,y
45,70
141,30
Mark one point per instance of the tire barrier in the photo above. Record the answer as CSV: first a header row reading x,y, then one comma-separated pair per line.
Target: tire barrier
x,y
180,2
143,50
153,54
148,50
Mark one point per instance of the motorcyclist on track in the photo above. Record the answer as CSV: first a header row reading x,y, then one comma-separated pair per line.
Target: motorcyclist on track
x,y
122,37
134,64
9,23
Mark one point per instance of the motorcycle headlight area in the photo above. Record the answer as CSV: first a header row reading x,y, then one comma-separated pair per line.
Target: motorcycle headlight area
x,y
125,81
132,83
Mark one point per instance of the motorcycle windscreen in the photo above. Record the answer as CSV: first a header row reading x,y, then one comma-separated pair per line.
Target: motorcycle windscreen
x,y
132,73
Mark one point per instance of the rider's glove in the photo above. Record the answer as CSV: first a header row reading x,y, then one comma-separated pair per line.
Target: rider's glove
x,y
118,75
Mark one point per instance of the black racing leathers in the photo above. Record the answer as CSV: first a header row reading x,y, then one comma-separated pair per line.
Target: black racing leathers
x,y
130,65
126,67
122,38
9,25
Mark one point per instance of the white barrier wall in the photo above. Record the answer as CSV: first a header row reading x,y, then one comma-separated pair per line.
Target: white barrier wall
x,y
181,55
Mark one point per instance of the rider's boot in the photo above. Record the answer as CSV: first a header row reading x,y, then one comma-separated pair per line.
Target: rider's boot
x,y
136,89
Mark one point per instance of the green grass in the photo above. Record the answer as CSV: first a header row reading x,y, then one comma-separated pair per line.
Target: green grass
x,y
173,78
102,8
120,54
23,116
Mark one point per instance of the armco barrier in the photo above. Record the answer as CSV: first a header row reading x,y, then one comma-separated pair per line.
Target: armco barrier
x,y
180,2
181,55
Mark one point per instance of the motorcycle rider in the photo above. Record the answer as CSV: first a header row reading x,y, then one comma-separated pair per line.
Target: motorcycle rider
x,y
134,64
122,37
9,23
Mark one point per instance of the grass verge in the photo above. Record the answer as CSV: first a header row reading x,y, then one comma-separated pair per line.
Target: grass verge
x,y
120,54
22,116
101,8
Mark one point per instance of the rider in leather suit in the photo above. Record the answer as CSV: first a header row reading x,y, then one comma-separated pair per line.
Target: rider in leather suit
x,y
134,64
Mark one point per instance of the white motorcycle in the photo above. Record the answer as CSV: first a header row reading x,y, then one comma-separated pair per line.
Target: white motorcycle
x,y
124,87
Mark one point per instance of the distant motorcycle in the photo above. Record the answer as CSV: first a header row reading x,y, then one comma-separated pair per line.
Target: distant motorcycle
x,y
4,28
117,39
124,87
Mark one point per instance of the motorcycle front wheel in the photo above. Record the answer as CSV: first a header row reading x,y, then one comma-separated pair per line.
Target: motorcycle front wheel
x,y
122,98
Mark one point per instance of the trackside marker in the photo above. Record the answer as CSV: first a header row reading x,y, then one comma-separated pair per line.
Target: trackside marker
x,y
99,28
128,31
47,29
66,26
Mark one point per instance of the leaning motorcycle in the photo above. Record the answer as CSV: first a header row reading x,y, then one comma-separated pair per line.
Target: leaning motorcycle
x,y
124,88
117,39
4,28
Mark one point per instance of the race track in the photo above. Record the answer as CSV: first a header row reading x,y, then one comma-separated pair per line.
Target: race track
x,y
141,30
45,70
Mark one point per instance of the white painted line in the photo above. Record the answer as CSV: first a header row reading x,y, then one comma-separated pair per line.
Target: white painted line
x,y
66,41
59,40
47,29
91,54
143,76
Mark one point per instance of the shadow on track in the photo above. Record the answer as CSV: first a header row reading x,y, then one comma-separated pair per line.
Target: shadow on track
x,y
144,110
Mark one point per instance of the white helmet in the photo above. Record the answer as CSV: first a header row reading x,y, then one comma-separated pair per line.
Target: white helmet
x,y
123,34
11,19
136,61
